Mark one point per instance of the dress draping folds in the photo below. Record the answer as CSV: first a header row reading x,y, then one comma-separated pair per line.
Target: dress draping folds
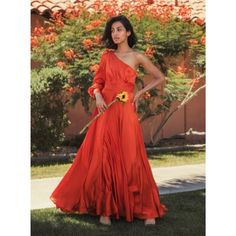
x,y
110,174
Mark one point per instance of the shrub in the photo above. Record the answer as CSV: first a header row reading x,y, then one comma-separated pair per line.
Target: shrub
x,y
48,108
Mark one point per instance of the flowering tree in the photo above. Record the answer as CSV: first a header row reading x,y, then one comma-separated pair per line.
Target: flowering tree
x,y
72,43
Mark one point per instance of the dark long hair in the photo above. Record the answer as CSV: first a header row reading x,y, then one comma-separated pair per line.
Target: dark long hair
x,y
107,39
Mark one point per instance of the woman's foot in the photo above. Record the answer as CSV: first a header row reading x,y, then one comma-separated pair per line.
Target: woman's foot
x,y
150,221
105,220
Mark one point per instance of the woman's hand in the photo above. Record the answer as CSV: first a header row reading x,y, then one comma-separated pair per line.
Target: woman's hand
x,y
136,98
100,103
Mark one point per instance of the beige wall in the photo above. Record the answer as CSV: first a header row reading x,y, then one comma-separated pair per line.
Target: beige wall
x,y
191,115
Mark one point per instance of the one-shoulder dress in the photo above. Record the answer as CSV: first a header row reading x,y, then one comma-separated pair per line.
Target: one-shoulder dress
x,y
110,174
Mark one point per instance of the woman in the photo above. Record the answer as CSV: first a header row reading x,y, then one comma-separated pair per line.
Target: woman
x,y
110,175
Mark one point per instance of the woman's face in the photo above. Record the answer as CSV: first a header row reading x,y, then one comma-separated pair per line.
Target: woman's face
x,y
119,33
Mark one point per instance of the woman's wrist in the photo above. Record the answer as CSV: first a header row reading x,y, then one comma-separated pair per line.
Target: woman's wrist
x,y
97,94
96,91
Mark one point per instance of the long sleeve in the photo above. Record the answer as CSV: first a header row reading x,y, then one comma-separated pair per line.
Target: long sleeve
x,y
99,78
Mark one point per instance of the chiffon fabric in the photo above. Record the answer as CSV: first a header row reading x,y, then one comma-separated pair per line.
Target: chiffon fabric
x,y
110,174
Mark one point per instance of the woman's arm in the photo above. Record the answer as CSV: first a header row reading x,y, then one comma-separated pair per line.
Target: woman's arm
x,y
152,70
99,78
98,83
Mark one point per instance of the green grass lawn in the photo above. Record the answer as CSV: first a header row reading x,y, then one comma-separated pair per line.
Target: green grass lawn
x,y
155,160
185,217
177,158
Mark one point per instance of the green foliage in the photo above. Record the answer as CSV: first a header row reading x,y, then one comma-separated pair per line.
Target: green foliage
x,y
177,86
48,114
166,39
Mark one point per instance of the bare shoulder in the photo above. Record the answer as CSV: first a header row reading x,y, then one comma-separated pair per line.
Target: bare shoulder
x,y
147,64
141,58
137,53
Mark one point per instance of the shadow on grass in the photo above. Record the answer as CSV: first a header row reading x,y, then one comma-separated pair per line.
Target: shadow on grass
x,y
185,216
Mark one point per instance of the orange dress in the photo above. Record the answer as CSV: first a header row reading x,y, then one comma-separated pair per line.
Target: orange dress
x,y
110,174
